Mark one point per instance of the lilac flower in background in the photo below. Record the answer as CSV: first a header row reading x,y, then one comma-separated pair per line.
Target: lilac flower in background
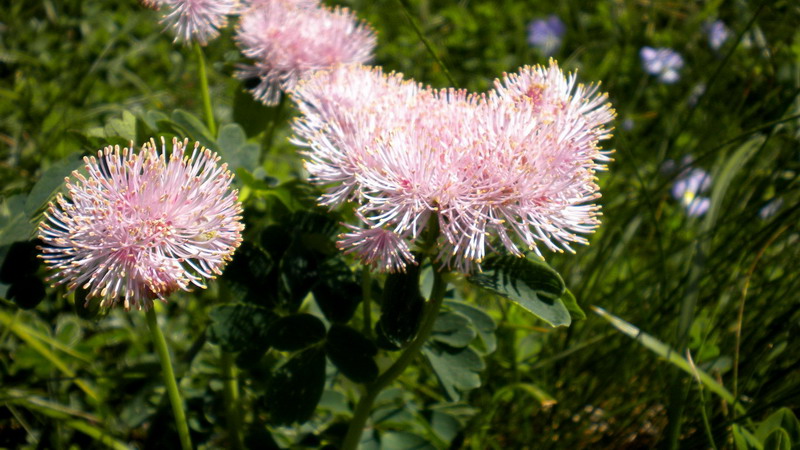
x,y
770,208
198,20
717,33
697,91
514,168
687,190
546,34
664,63
628,124
139,226
288,40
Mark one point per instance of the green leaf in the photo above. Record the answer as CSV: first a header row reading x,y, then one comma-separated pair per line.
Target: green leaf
x,y
295,388
299,273
483,323
20,260
193,128
251,273
335,402
295,332
15,225
529,283
275,239
744,440
456,368
51,180
153,118
403,440
234,149
296,195
352,353
337,293
666,352
124,128
778,440
571,303
445,426
782,418
27,292
453,329
401,307
240,326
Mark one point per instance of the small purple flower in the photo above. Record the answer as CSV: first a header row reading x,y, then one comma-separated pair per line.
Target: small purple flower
x,y
688,189
546,34
662,62
770,208
717,32
628,124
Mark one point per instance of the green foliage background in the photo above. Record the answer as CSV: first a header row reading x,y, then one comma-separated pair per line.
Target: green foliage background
x,y
720,291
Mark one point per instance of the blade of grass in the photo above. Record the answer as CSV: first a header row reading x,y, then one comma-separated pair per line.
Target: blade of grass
x,y
41,348
706,422
67,415
427,43
663,350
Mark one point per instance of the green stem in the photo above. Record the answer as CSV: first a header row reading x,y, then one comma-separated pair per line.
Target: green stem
x,y
204,91
169,379
269,135
364,406
232,401
427,43
366,295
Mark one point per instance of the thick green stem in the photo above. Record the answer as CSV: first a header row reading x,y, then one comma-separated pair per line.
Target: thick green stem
x,y
169,379
232,401
364,406
204,91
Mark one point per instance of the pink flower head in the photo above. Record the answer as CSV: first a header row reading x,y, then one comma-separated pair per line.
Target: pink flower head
x,y
514,167
200,20
287,40
139,226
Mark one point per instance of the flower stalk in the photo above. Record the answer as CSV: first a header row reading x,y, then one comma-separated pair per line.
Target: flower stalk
x,y
204,90
231,390
364,407
169,379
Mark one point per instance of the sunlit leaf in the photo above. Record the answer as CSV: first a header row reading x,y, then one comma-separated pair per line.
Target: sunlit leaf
x,y
528,282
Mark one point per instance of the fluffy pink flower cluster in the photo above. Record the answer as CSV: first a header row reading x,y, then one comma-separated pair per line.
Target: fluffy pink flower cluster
x,y
514,167
200,20
289,39
139,226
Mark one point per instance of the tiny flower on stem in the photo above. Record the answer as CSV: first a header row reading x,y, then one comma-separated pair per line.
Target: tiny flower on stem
x,y
139,226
